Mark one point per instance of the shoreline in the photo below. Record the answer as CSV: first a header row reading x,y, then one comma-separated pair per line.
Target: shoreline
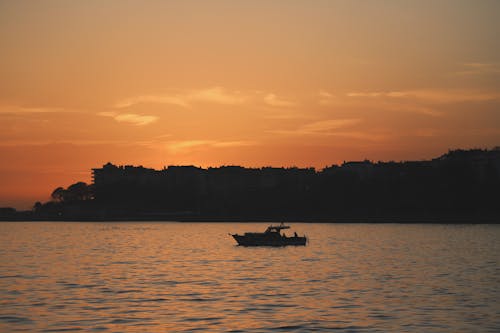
x,y
198,219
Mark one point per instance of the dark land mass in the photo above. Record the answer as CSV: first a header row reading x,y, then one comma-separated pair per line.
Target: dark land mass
x,y
461,186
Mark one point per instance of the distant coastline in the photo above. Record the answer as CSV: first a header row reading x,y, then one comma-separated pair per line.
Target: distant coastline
x,y
347,220
461,186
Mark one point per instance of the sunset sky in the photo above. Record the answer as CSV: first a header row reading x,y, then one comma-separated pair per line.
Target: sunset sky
x,y
252,83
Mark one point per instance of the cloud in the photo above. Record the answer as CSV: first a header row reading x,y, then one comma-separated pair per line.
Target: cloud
x,y
450,96
413,108
478,68
183,146
217,95
323,127
365,94
186,146
273,100
212,95
131,118
431,96
75,142
19,110
224,144
363,135
280,115
156,99
325,98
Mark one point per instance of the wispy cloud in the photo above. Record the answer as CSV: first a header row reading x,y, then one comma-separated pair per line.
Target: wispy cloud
x,y
273,100
431,96
217,95
186,146
411,108
478,68
131,118
326,98
366,136
155,99
226,144
285,115
366,94
19,110
212,95
75,142
391,100
326,126
323,127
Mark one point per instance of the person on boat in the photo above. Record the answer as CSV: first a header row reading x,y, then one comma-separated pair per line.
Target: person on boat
x,y
295,234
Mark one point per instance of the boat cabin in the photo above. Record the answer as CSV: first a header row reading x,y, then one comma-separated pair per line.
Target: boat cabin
x,y
277,228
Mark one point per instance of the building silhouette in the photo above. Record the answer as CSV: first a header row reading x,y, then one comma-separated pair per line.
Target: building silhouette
x,y
456,183
461,184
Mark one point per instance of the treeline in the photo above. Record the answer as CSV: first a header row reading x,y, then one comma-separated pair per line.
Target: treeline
x,y
461,183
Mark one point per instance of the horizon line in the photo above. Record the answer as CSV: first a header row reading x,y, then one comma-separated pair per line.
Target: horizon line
x,y
495,148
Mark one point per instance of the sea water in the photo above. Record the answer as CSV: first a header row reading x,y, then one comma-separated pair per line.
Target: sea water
x,y
161,277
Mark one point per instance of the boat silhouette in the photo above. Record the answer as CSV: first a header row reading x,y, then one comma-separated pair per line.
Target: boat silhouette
x,y
271,237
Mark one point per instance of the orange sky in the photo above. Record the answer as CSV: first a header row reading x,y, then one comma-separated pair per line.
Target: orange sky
x,y
253,83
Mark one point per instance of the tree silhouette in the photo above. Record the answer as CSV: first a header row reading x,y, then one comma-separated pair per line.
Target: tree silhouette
x,y
76,192
58,194
37,206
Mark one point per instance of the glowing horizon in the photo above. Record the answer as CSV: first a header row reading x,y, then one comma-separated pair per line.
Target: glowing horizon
x,y
286,83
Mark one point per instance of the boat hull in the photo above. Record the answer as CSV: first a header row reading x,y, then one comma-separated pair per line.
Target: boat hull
x,y
269,240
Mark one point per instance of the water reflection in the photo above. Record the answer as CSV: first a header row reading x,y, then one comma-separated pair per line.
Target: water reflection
x,y
136,277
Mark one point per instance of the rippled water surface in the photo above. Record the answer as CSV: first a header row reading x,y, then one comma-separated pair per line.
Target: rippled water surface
x,y
152,277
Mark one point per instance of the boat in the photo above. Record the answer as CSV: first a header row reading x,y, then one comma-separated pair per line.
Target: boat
x,y
271,237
